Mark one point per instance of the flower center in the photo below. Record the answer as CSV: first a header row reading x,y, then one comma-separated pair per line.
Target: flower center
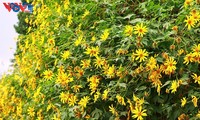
x,y
141,55
139,113
189,22
140,30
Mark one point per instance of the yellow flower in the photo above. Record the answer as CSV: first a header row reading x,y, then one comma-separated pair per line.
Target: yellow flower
x,y
180,52
187,3
84,101
121,51
198,114
98,62
85,63
86,13
120,100
133,56
139,102
64,97
51,42
183,102
79,40
93,51
64,79
196,48
158,89
69,19
195,100
94,82
105,94
141,55
174,86
139,113
72,100
56,117
87,117
110,72
196,78
31,111
66,54
48,74
39,113
130,105
170,63
105,34
151,63
36,94
113,110
80,72
26,20
66,4
183,117
190,22
128,30
140,30
19,109
188,58
93,38
49,106
96,96
196,15
76,88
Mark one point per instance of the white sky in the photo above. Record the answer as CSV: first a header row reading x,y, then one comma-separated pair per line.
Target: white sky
x,y
7,32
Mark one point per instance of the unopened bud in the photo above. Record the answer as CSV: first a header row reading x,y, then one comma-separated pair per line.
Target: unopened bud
x,y
172,47
175,28
178,40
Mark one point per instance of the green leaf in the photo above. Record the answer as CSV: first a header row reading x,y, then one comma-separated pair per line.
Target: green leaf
x,y
123,85
159,59
136,20
129,16
166,83
141,88
96,113
185,77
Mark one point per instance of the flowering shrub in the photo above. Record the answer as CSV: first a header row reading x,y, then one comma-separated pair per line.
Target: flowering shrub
x,y
122,60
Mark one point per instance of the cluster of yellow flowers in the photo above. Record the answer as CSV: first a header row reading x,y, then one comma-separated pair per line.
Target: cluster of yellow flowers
x,y
193,56
194,17
83,68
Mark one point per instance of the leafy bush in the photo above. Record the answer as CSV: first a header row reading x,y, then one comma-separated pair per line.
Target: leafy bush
x,y
104,59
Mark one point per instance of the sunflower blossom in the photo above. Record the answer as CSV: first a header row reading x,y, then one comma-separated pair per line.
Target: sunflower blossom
x,y
190,22
66,54
141,55
140,30
139,113
188,58
170,63
93,51
196,78
31,111
128,30
84,101
174,86
113,110
48,74
120,100
183,102
187,3
194,101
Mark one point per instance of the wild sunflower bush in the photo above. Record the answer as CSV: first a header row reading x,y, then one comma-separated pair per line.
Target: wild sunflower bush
x,y
107,60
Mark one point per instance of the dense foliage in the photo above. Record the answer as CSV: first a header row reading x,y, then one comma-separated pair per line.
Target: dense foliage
x,y
106,59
